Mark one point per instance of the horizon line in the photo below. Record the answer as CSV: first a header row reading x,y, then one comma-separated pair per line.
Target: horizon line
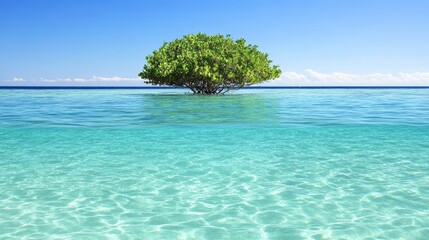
x,y
171,87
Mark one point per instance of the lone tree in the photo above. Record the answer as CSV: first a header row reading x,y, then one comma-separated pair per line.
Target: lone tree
x,y
208,64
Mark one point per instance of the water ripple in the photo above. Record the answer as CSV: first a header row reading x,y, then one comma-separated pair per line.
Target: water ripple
x,y
313,164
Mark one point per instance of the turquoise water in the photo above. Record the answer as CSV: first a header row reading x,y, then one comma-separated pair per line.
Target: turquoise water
x,y
257,164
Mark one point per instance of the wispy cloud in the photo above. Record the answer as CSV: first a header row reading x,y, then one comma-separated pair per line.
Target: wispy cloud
x,y
311,77
15,79
83,80
114,79
91,81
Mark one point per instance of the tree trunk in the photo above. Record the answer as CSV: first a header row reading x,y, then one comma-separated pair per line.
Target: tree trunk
x,y
205,88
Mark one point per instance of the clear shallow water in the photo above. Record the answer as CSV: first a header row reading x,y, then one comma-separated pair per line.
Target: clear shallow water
x,y
258,164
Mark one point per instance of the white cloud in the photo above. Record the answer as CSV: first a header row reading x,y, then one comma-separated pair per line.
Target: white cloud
x,y
93,79
115,78
15,79
311,77
76,80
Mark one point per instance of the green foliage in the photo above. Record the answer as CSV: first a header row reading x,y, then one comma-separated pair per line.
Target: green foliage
x,y
208,64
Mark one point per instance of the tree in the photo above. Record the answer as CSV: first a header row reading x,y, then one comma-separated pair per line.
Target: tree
x,y
208,64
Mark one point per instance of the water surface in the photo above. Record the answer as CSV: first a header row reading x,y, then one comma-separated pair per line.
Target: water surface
x,y
256,164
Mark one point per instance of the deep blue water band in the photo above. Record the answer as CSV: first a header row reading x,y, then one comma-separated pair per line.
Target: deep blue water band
x,y
252,87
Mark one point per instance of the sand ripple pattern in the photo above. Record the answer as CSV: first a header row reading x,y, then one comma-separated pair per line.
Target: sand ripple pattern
x,y
222,178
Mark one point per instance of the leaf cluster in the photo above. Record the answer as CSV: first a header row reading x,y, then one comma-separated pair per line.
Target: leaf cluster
x,y
208,64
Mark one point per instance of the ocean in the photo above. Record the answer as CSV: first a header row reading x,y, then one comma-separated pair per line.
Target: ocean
x,y
300,163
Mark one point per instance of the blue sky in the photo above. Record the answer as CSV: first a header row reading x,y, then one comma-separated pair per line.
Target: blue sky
x,y
330,42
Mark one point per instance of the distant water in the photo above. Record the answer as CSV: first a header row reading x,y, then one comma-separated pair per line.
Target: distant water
x,y
256,164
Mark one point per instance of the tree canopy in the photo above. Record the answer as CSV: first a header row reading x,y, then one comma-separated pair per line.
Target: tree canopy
x,y
208,64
